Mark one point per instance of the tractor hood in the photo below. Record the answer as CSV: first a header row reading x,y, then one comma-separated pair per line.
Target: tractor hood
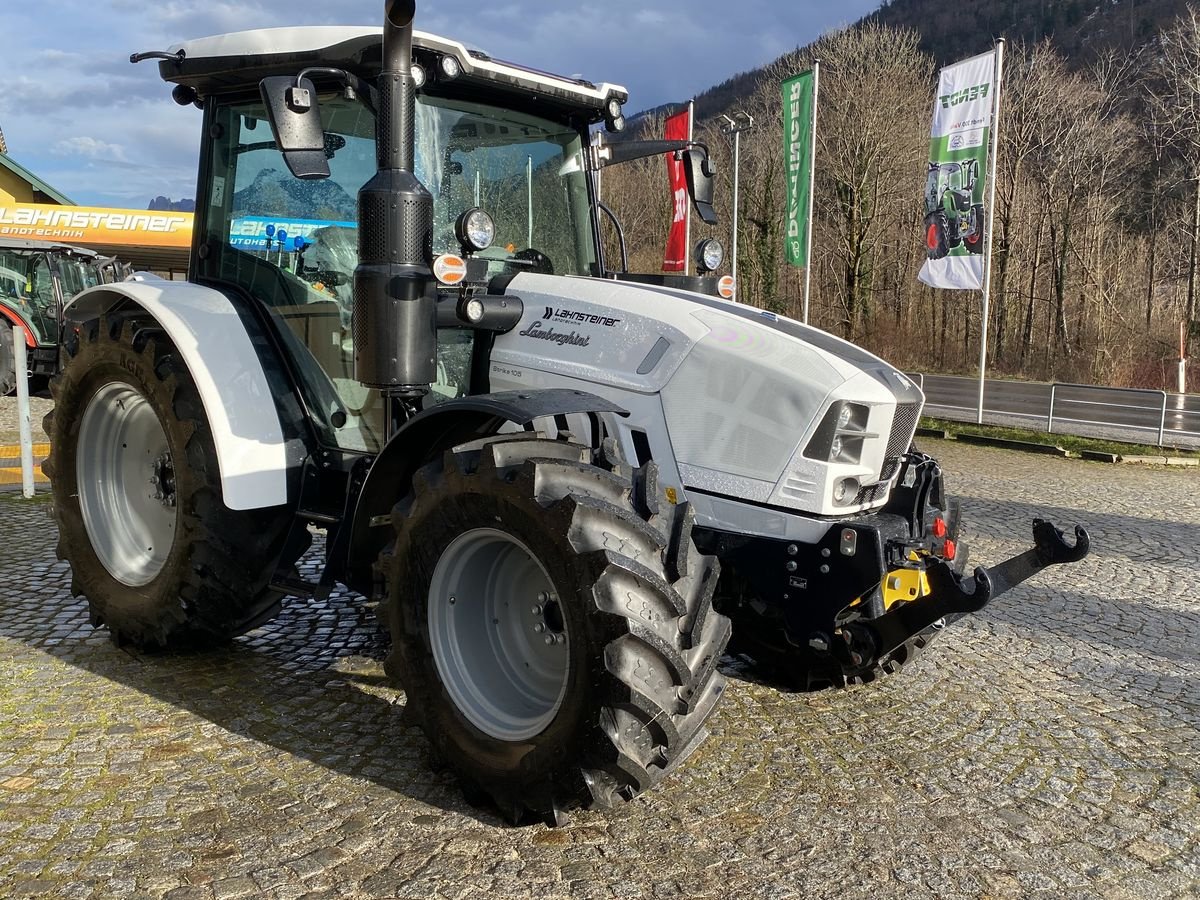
x,y
751,399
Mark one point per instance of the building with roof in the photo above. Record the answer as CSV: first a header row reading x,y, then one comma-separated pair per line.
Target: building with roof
x,y
31,209
19,185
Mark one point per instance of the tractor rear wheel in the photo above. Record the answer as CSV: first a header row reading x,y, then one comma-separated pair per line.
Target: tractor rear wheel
x,y
552,627
936,244
8,362
137,496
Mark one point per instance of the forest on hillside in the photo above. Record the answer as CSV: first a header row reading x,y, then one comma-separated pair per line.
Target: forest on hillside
x,y
1097,220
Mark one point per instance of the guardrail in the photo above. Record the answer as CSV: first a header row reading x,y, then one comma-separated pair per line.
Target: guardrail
x,y
1131,414
1162,395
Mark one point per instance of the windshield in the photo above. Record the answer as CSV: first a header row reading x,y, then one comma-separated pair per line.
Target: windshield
x,y
293,244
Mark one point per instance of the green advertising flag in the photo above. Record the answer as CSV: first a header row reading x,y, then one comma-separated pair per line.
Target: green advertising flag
x,y
797,163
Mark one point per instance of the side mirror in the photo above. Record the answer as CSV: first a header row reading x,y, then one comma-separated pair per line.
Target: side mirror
x,y
700,183
296,125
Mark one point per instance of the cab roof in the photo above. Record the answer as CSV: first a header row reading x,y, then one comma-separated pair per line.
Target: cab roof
x,y
240,59
7,243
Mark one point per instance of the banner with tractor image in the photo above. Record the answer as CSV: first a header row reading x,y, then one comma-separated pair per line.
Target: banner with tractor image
x,y
955,216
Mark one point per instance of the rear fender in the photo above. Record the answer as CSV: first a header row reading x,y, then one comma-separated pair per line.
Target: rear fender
x,y
431,432
13,317
217,349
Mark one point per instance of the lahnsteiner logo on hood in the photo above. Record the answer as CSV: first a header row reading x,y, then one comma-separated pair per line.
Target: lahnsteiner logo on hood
x,y
570,315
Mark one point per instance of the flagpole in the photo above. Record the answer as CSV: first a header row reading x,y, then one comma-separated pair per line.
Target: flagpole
x,y
687,216
991,208
812,182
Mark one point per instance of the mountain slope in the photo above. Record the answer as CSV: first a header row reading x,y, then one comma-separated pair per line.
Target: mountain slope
x,y
1079,30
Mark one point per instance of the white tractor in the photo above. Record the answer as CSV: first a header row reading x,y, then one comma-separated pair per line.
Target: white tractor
x,y
565,485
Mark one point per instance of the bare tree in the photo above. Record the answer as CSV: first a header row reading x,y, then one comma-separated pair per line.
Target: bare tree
x,y
1173,99
871,141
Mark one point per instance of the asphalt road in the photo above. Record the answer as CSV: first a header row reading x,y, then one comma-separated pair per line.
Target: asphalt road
x,y
1116,413
1044,748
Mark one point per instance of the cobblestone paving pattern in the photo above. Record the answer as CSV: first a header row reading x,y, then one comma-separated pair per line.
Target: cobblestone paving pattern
x,y
1047,747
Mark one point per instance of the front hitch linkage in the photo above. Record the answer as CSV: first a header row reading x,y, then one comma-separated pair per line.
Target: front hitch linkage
x,y
950,594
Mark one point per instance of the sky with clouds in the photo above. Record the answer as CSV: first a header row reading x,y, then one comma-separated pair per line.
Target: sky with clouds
x,y
105,132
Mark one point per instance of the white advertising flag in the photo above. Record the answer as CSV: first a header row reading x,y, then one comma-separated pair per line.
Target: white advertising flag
x,y
956,217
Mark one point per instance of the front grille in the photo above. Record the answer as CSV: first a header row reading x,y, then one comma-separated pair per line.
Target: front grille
x,y
872,492
904,425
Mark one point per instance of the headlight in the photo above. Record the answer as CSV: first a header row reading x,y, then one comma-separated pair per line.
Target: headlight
x,y
840,435
613,107
710,254
475,230
450,67
418,75
846,490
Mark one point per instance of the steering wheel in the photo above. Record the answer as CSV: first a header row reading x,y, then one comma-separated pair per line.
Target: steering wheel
x,y
532,260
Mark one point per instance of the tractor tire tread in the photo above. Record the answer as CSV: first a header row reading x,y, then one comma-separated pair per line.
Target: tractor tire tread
x,y
657,681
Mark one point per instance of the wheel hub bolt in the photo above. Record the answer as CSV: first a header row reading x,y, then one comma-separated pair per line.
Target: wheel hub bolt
x,y
536,609
539,627
549,639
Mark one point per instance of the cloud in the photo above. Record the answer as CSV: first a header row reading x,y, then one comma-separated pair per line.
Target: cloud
x,y
89,147
104,131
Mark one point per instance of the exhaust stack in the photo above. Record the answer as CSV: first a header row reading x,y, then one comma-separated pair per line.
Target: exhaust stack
x,y
395,295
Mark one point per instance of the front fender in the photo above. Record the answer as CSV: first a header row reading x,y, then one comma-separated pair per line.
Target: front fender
x,y
433,431
212,339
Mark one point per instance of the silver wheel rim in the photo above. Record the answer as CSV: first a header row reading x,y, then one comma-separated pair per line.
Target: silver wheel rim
x,y
126,484
498,635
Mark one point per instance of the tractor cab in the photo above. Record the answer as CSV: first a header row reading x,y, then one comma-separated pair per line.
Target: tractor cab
x,y
503,151
954,214
952,185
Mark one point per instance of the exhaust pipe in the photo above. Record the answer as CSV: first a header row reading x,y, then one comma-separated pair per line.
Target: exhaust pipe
x,y
395,295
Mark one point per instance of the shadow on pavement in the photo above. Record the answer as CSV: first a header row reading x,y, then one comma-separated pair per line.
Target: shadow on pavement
x,y
309,683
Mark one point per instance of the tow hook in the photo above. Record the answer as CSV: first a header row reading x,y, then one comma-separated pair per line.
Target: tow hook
x,y
950,594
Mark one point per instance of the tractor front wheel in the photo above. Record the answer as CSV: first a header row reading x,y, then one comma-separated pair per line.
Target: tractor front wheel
x,y
8,362
552,628
137,496
974,240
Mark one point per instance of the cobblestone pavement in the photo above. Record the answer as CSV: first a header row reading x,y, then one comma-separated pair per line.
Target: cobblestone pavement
x,y
1047,747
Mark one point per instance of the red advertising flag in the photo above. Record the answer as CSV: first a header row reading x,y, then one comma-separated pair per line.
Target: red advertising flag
x,y
678,128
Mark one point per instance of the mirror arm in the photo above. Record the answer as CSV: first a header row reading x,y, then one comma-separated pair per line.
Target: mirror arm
x,y
365,91
620,234
626,151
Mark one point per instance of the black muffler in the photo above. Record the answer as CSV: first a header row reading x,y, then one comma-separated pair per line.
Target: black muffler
x,y
395,295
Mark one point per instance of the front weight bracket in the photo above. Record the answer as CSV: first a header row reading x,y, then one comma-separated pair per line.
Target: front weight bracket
x,y
950,594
